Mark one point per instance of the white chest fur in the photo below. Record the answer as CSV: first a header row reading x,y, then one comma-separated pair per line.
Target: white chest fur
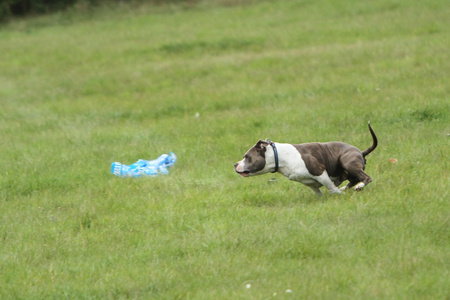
x,y
291,163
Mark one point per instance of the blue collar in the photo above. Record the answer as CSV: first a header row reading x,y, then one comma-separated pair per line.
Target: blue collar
x,y
275,152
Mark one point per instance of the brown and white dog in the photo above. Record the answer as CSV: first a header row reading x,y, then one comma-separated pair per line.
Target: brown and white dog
x,y
313,164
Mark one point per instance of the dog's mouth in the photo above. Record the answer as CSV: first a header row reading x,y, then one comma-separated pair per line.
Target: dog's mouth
x,y
244,173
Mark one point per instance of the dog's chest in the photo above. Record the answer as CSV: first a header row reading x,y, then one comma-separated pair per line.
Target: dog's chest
x,y
293,165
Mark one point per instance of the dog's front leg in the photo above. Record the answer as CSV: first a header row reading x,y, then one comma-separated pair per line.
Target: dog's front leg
x,y
325,180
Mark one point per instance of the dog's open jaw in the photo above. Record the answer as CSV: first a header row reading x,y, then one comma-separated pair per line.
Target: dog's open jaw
x,y
244,173
239,167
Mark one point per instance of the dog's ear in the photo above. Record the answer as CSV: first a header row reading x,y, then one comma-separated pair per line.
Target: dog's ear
x,y
261,145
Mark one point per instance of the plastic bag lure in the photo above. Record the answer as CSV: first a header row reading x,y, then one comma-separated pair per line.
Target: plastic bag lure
x,y
145,167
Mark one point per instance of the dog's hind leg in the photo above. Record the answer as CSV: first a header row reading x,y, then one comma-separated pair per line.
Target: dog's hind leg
x,y
356,176
358,180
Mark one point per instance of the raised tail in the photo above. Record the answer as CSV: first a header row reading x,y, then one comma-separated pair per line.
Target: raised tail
x,y
374,145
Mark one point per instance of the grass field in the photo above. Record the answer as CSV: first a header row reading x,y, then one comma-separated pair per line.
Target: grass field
x,y
82,89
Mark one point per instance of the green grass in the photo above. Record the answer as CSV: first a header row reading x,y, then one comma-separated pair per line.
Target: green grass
x,y
80,90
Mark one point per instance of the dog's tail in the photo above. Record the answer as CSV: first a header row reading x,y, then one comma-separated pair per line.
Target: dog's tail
x,y
374,145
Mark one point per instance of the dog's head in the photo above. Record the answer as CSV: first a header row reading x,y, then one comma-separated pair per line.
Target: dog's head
x,y
254,161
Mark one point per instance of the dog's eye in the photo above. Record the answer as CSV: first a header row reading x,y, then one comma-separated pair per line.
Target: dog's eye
x,y
249,159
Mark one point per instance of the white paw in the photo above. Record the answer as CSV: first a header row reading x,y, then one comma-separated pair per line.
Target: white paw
x,y
335,191
359,186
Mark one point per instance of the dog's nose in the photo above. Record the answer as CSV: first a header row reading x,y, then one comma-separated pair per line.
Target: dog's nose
x,y
235,165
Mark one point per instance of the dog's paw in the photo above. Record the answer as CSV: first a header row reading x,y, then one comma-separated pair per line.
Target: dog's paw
x,y
359,187
335,191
